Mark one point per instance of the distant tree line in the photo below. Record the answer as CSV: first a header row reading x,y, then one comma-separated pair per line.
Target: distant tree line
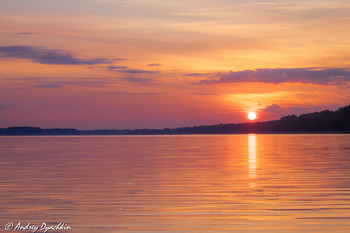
x,y
325,121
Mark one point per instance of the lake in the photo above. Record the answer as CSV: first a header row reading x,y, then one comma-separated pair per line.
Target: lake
x,y
183,183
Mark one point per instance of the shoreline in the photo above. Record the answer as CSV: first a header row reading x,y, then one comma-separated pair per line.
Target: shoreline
x,y
184,134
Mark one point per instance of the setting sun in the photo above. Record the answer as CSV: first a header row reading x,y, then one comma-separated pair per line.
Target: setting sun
x,y
252,116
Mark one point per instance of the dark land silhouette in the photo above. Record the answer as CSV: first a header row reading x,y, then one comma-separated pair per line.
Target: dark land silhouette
x,y
318,122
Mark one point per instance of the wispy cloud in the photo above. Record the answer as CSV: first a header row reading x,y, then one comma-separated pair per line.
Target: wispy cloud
x,y
25,33
204,93
195,74
58,82
5,106
137,79
154,64
136,71
79,83
48,86
117,67
135,93
48,56
334,76
274,108
277,109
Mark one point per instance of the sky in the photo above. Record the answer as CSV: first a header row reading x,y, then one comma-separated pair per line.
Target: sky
x,y
113,64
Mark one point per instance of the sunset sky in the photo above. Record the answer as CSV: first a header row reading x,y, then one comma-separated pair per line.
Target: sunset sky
x,y
113,64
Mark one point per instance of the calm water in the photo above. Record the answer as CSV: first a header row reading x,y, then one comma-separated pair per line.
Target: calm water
x,y
220,183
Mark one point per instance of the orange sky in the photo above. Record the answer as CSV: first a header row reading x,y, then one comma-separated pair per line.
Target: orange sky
x,y
152,64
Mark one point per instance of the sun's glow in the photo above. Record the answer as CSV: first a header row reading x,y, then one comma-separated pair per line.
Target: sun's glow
x,y
252,116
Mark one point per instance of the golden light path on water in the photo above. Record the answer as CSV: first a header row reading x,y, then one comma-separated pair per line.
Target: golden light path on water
x,y
252,158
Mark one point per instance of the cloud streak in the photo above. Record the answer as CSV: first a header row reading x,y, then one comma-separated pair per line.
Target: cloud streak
x,y
334,76
5,106
61,82
277,109
125,69
48,86
137,79
48,56
274,108
135,93
117,68
195,74
137,71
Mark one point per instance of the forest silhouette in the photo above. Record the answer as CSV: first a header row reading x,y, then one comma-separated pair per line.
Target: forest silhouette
x,y
318,122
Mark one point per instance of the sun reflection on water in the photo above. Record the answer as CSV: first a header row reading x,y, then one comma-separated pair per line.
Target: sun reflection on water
x,y
252,158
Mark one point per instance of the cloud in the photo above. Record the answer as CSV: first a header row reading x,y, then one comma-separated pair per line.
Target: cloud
x,y
48,56
60,82
195,74
274,108
48,86
154,64
118,59
83,83
135,93
117,67
136,71
334,76
4,106
25,33
203,93
137,79
124,69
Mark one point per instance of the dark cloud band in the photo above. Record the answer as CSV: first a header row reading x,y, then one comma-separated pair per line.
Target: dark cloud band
x,y
48,56
335,76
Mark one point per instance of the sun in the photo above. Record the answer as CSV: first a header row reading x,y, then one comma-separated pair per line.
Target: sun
x,y
252,116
